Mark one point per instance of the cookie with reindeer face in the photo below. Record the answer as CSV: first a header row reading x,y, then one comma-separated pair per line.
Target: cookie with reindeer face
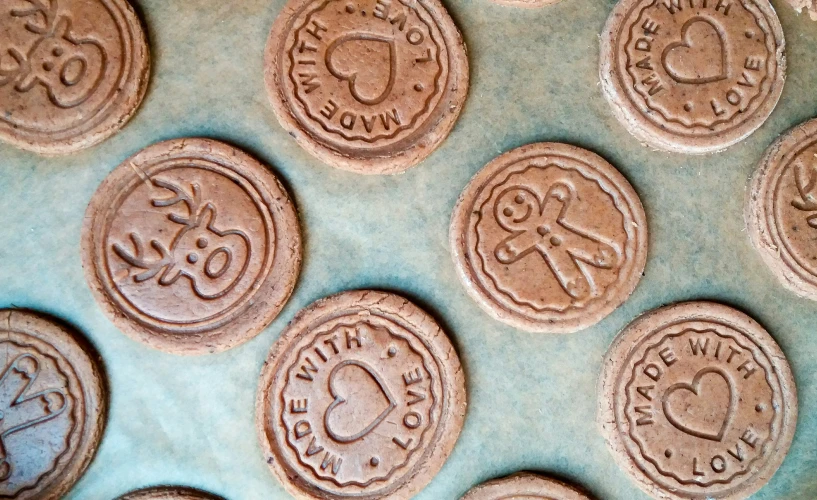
x,y
781,209
52,407
191,246
72,72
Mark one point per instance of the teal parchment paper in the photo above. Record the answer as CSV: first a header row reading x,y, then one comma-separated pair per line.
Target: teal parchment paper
x,y
534,77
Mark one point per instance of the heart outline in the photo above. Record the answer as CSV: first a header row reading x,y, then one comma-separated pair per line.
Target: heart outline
x,y
685,42
340,400
353,77
694,387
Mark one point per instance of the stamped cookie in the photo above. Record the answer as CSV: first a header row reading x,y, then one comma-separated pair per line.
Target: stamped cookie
x,y
72,72
525,486
549,238
168,493
191,246
696,401
371,86
363,397
781,209
692,76
805,6
52,407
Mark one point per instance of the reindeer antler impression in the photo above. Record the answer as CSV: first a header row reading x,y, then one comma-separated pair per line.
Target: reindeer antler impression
x,y
42,14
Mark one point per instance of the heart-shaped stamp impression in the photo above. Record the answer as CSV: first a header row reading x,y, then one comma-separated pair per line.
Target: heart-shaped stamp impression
x,y
704,407
362,401
367,62
697,401
700,56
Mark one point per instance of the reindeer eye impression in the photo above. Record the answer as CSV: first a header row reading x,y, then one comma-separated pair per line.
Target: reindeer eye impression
x,y
218,262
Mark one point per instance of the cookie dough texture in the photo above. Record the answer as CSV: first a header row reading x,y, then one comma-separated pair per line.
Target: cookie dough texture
x,y
692,77
549,238
369,86
168,493
363,396
53,406
73,72
525,486
191,246
781,209
696,400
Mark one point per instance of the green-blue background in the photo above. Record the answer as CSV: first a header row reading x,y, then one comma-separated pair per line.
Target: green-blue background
x,y
532,397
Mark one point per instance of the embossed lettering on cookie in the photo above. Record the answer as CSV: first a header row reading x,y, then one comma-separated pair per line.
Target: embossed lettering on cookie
x,y
72,72
692,76
363,396
52,407
371,86
696,400
191,246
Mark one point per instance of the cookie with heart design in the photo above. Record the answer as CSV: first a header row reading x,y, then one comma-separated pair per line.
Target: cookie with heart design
x,y
525,486
191,246
781,209
363,396
371,86
72,72
52,406
696,400
549,238
692,76
168,493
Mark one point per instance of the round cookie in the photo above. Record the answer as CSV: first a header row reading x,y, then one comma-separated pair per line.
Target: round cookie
x,y
781,209
191,246
692,76
370,86
52,407
363,396
697,400
549,238
72,72
168,493
525,486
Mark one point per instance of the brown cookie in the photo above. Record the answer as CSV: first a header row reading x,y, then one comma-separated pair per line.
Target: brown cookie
x,y
697,401
525,486
72,72
362,397
371,86
191,246
52,407
549,238
692,76
781,209
805,6
168,493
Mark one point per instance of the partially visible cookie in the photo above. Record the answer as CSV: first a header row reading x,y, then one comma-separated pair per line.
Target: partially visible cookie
x,y
696,401
525,486
549,238
72,72
371,86
781,209
168,493
363,396
809,6
52,407
692,77
191,246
